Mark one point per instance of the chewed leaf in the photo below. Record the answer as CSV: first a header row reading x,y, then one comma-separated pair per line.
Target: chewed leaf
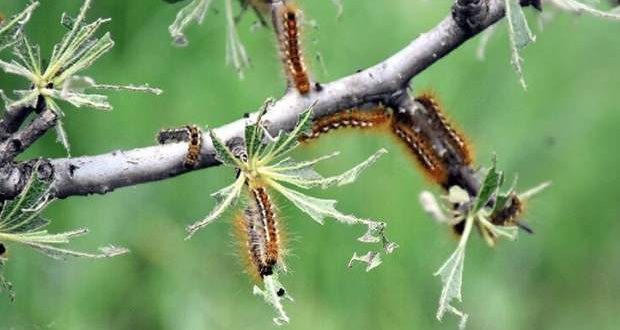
x,y
274,293
451,274
286,142
194,11
5,285
225,198
79,100
534,191
306,177
223,153
582,8
11,29
520,35
20,222
490,185
371,259
318,209
235,51
255,133
376,234
431,206
28,54
17,69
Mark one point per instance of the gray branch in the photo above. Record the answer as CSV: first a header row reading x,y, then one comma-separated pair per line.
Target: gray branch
x,y
385,82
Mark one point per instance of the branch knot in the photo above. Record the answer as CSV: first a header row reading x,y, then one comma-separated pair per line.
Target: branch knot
x,y
469,15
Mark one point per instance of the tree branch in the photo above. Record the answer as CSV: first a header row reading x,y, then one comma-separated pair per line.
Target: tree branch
x,y
385,82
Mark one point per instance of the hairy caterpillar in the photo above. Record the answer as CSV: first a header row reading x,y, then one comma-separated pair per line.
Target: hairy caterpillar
x,y
440,123
191,134
376,117
419,143
259,234
288,28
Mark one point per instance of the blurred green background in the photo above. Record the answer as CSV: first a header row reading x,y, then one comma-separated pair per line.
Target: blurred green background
x,y
564,129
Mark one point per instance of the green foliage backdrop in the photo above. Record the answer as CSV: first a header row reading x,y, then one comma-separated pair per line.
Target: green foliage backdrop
x,y
564,129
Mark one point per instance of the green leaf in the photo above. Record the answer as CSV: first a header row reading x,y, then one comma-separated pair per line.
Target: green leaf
x,y
223,153
194,11
285,142
318,209
20,222
490,185
305,177
520,35
255,133
225,197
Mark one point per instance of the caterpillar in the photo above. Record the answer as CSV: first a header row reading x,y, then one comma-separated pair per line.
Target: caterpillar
x,y
258,231
288,30
376,117
441,124
192,158
191,134
419,143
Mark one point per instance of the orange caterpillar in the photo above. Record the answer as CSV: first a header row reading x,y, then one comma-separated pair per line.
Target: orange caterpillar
x,y
377,117
193,149
290,47
191,134
441,123
258,231
420,145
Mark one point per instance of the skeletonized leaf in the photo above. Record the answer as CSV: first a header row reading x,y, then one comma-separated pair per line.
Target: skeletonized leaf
x,y
77,99
11,29
520,36
29,55
20,222
372,260
225,197
318,209
270,294
194,11
306,177
17,69
235,51
577,7
286,142
451,273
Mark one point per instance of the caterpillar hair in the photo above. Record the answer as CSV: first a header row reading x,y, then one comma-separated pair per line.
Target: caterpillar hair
x,y
376,117
258,231
173,135
287,25
192,158
191,134
419,143
441,124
